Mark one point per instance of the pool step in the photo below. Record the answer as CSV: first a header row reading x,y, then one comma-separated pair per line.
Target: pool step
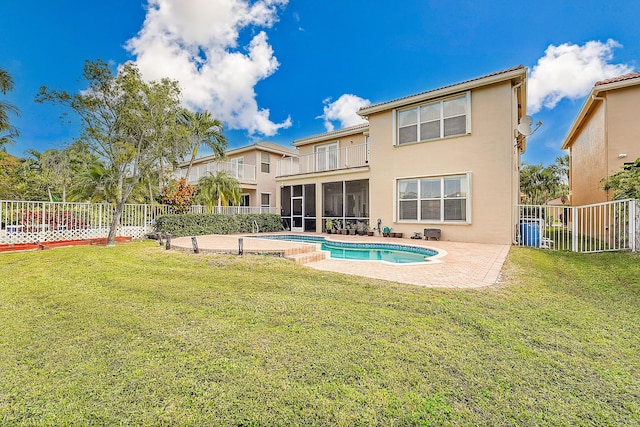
x,y
306,257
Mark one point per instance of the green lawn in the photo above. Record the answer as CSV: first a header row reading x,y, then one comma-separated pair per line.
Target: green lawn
x,y
135,335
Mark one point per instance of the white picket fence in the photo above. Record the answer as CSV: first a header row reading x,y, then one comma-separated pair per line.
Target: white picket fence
x,y
28,222
601,227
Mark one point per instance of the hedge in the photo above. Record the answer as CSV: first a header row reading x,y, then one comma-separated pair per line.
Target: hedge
x,y
197,224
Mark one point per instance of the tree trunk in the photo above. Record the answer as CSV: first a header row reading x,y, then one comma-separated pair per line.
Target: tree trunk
x,y
117,214
194,153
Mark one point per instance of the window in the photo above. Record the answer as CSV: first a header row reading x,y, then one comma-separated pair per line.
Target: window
x,y
265,163
237,167
244,200
434,199
326,157
265,199
440,119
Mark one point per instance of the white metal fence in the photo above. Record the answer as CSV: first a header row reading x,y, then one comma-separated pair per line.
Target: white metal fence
x,y
609,226
28,222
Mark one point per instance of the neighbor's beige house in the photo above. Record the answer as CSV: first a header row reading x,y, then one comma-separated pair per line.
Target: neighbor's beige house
x,y
447,158
254,166
604,137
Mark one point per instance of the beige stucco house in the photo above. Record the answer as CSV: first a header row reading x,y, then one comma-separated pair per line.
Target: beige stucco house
x,y
604,136
447,158
254,166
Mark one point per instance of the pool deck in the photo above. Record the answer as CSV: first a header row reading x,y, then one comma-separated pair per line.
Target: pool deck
x,y
458,265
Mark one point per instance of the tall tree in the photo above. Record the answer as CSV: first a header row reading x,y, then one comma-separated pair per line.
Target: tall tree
x,y
131,125
7,131
218,190
203,129
538,183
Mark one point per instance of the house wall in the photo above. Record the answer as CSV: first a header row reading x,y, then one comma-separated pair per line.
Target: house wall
x,y
589,160
623,127
488,153
263,183
343,142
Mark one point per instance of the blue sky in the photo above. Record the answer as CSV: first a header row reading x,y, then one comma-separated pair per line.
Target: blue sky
x,y
279,70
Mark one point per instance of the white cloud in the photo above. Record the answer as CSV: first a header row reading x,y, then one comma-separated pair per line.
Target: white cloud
x,y
196,43
345,110
570,71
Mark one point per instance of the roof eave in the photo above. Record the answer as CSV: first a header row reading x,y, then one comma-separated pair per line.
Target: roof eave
x,y
437,93
588,104
354,130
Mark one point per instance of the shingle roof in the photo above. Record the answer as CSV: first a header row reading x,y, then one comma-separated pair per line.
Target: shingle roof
x,y
497,73
619,79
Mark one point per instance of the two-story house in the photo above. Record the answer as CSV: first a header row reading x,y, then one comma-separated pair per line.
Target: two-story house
x,y
254,166
604,137
447,158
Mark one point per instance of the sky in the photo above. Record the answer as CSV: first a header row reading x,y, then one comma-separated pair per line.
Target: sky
x,y
280,70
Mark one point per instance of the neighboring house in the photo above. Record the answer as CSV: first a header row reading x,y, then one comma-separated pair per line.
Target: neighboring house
x,y
604,136
254,166
447,158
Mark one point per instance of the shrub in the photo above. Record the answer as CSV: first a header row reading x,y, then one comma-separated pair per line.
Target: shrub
x,y
179,195
196,224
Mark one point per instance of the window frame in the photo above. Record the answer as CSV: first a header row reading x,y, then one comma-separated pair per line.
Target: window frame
x,y
419,121
262,205
326,154
263,163
442,198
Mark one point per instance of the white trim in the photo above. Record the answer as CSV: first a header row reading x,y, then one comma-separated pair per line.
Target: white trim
x,y
394,127
326,155
468,199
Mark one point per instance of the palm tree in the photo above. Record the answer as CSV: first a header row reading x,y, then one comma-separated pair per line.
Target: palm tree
x,y
203,129
218,190
7,131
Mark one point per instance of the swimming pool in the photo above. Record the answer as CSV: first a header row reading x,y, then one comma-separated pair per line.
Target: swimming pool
x,y
360,251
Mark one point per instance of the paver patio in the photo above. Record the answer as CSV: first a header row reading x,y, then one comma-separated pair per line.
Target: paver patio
x,y
458,265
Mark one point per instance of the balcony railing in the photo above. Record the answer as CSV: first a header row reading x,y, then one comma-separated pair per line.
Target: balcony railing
x,y
327,160
239,171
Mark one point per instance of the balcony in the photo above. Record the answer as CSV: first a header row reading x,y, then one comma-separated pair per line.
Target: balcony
x,y
241,172
324,160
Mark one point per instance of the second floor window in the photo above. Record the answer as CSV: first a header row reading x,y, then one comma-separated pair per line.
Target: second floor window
x,y
435,120
265,162
237,167
327,156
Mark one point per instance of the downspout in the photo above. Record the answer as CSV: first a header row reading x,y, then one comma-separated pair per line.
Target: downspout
x,y
515,166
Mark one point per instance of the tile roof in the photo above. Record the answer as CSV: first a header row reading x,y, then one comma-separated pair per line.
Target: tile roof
x,y
508,70
346,130
619,79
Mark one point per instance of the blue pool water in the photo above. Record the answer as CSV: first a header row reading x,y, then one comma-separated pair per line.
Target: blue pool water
x,y
397,254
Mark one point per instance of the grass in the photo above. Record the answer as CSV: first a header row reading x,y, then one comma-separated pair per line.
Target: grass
x,y
135,335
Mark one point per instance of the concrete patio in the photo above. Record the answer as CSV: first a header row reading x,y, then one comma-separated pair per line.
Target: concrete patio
x,y
458,265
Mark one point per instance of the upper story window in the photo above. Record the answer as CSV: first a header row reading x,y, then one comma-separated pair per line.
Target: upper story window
x,y
237,166
326,156
265,162
435,120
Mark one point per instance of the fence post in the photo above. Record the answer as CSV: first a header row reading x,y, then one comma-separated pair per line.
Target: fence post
x,y
574,229
634,224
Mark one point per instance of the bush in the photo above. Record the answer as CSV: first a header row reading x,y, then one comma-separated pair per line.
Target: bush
x,y
197,224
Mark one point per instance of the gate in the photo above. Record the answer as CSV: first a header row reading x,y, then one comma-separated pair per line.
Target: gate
x,y
601,227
